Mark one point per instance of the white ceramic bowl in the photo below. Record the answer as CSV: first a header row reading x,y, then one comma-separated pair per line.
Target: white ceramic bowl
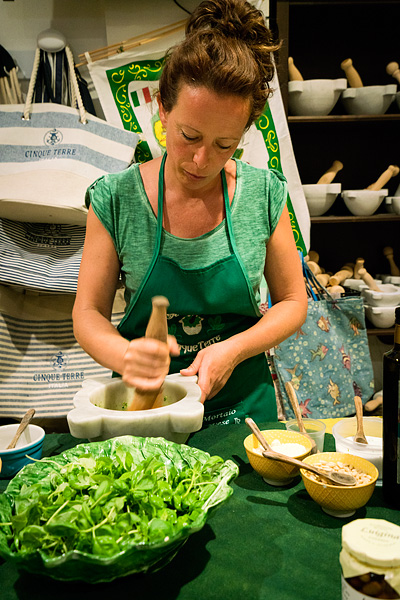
x,y
368,100
344,431
381,317
393,204
363,202
30,444
388,296
314,97
358,284
101,411
398,99
320,197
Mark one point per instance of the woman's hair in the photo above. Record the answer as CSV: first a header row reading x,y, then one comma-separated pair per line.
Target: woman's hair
x,y
228,49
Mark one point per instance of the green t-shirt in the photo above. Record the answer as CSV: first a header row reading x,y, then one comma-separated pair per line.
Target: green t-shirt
x,y
120,202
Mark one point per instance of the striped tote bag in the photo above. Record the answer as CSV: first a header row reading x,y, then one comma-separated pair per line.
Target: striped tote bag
x,y
40,256
41,364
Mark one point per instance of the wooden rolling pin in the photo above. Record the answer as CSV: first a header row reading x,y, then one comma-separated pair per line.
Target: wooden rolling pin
x,y
369,280
294,73
345,273
359,265
157,329
331,173
352,75
394,269
390,172
393,69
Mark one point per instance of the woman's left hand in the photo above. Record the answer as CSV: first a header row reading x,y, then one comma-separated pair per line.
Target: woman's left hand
x,y
213,366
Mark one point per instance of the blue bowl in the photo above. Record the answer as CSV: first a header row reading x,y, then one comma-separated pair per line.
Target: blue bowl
x,y
29,446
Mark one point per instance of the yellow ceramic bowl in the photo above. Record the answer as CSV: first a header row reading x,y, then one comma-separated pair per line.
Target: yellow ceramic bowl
x,y
272,471
340,501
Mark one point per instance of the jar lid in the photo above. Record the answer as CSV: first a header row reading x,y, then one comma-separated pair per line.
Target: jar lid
x,y
373,541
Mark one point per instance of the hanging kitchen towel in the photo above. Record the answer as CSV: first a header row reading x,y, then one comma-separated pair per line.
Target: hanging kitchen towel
x,y
41,364
50,156
327,360
40,256
126,85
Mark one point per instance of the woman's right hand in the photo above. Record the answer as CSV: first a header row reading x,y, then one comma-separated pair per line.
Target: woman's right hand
x,y
146,362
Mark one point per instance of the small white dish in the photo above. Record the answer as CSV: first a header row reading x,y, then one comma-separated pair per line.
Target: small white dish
x,y
363,202
314,97
388,296
368,100
381,317
320,197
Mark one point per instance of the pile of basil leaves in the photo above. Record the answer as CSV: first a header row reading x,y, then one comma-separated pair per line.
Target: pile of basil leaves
x,y
107,509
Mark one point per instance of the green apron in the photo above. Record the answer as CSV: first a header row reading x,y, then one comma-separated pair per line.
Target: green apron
x,y
207,305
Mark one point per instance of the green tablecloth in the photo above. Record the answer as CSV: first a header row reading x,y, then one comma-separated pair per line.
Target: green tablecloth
x,y
264,543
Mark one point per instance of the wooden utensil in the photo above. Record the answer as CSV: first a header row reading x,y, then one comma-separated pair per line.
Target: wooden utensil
x,y
359,265
331,173
346,272
393,69
382,180
296,409
157,328
334,476
26,419
352,75
254,428
394,269
294,73
369,280
359,437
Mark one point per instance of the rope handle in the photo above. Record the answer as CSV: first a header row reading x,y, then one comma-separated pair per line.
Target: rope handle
x,y
76,95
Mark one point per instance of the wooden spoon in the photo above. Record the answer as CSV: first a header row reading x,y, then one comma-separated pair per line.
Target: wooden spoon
x,y
296,408
334,476
26,419
337,478
359,437
157,328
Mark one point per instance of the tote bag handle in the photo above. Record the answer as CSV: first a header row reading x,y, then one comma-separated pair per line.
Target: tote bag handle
x,y
77,98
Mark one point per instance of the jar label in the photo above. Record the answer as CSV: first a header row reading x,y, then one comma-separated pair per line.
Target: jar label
x,y
349,593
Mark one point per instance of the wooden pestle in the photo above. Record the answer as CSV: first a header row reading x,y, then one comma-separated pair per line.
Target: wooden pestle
x,y
394,269
346,272
393,69
294,73
157,329
359,265
352,75
335,289
390,172
314,256
331,173
323,278
314,267
369,280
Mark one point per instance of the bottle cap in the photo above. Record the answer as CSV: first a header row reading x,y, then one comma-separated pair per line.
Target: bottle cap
x,y
373,541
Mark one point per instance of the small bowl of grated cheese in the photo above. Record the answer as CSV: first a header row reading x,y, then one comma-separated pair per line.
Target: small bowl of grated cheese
x,y
291,443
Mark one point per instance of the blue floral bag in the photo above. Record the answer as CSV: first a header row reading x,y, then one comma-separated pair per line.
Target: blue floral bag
x,y
327,360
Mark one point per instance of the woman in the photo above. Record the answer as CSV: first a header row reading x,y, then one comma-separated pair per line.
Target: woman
x,y
199,228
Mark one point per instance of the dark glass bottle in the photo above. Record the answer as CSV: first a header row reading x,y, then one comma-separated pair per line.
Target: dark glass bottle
x,y
391,420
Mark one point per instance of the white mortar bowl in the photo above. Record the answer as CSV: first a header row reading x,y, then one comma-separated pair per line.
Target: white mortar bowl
x,y
358,284
363,202
395,204
314,97
388,296
368,100
381,317
398,99
320,197
101,411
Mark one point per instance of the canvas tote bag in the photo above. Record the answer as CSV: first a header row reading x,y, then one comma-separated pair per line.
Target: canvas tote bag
x,y
41,364
50,154
327,360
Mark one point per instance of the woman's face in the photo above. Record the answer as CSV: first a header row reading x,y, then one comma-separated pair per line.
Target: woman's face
x,y
203,131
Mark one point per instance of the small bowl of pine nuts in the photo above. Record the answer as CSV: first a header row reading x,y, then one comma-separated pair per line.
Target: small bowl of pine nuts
x,y
335,500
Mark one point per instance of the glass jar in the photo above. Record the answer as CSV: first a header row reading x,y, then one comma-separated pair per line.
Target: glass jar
x,y
370,559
